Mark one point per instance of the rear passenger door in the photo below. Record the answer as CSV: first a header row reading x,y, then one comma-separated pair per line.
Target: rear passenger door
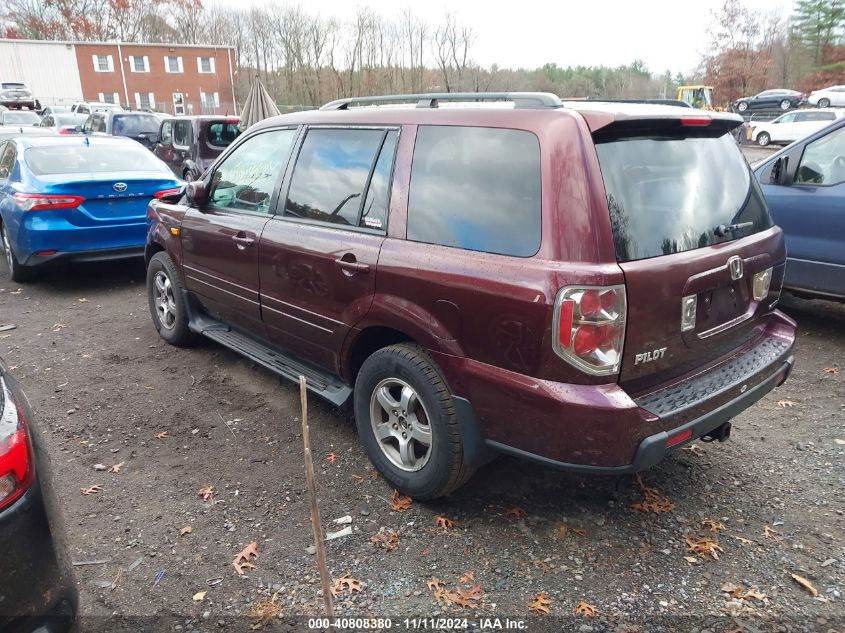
x,y
318,255
164,147
220,238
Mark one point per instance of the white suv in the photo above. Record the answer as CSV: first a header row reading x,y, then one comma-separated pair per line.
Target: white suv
x,y
791,126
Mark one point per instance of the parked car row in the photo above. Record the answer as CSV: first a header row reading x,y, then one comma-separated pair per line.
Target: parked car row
x,y
785,99
791,126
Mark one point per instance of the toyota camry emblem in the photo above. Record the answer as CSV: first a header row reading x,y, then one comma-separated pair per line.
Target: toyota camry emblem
x,y
119,187
735,266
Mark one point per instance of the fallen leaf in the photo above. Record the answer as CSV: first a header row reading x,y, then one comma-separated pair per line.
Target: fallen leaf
x,y
806,584
186,530
544,566
540,603
695,449
579,531
199,596
831,370
264,611
772,534
434,584
331,458
742,540
713,526
58,327
753,594
783,404
242,560
116,467
467,578
162,435
514,513
346,583
206,492
83,300
586,609
92,490
692,559
653,501
358,479
444,522
386,539
468,597
704,547
373,473
399,502
561,530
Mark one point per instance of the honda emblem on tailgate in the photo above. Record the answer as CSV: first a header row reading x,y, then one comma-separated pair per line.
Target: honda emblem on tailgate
x,y
735,265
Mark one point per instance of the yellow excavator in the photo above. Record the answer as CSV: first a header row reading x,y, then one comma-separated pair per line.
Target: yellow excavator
x,y
697,96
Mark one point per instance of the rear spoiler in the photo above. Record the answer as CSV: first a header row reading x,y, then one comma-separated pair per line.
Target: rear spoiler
x,y
643,118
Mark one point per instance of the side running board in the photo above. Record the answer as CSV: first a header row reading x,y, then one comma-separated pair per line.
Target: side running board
x,y
318,380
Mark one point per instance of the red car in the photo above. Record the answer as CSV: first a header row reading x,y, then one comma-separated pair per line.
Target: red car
x,y
586,285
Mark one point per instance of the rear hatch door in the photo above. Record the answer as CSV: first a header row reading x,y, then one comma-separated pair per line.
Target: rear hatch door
x,y
691,230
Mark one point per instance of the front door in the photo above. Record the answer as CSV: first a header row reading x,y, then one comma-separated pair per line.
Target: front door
x,y
220,240
318,256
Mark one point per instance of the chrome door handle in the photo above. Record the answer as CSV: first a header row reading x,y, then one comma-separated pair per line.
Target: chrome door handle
x,y
352,266
243,242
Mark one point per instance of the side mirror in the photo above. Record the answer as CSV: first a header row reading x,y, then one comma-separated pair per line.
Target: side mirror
x,y
778,174
195,192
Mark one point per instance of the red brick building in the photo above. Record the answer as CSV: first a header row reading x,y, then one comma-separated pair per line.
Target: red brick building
x,y
169,78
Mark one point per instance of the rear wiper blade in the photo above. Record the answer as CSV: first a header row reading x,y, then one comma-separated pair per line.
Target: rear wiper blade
x,y
724,229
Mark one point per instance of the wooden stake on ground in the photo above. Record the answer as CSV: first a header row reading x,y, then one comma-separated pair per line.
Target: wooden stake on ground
x,y
315,509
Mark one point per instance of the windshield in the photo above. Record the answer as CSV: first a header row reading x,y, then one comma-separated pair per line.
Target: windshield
x,y
134,124
81,158
21,117
69,119
222,133
668,194
12,86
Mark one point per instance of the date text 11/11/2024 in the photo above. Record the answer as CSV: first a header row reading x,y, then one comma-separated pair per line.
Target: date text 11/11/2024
x,y
418,624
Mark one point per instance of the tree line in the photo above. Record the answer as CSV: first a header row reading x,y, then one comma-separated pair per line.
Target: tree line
x,y
305,58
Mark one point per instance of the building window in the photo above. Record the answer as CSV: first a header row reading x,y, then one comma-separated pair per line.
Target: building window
x,y
103,63
139,64
205,64
109,97
210,99
173,64
145,100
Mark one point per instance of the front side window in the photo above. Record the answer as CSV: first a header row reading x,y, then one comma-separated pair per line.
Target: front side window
x,y
477,189
331,174
786,118
823,162
182,133
245,181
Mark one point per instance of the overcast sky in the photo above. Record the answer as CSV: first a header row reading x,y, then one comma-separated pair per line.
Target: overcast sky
x,y
665,34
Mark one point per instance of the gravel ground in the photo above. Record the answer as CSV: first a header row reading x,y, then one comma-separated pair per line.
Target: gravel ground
x,y
108,391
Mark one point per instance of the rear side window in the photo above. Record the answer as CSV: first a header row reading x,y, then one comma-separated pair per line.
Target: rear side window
x,y
331,175
669,193
476,188
182,133
222,133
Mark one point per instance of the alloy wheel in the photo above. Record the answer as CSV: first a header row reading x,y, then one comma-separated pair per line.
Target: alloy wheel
x,y
401,424
165,301
742,106
785,104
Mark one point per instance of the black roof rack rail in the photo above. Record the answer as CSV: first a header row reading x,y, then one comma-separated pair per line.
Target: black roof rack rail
x,y
521,100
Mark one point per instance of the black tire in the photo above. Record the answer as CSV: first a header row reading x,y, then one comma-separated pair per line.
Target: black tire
x,y
824,103
763,139
190,175
444,470
17,272
175,332
742,106
785,104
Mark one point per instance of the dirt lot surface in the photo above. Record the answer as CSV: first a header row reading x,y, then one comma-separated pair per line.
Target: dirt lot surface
x,y
108,391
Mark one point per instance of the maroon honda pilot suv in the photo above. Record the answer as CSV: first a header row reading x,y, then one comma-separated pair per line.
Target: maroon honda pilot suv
x,y
586,285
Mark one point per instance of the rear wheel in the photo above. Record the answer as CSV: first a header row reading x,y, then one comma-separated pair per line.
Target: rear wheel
x,y
763,139
407,422
742,106
167,301
785,104
824,103
190,175
17,272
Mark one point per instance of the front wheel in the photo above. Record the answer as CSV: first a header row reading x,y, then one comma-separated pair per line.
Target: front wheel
x,y
785,104
407,422
17,272
763,139
167,301
742,106
824,103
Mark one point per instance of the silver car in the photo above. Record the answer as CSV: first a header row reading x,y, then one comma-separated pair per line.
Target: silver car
x,y
14,94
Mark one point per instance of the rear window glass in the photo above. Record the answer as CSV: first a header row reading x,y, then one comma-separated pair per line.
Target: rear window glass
x,y
13,86
23,116
668,194
79,159
476,188
134,124
222,133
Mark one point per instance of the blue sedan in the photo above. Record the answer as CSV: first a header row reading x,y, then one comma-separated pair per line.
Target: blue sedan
x,y
79,199
804,186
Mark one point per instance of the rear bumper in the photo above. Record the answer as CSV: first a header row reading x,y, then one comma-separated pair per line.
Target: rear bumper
x,y
105,254
602,428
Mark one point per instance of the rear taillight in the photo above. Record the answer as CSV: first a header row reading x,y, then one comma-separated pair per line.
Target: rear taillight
x,y
167,193
16,465
46,202
760,284
67,130
696,121
589,327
